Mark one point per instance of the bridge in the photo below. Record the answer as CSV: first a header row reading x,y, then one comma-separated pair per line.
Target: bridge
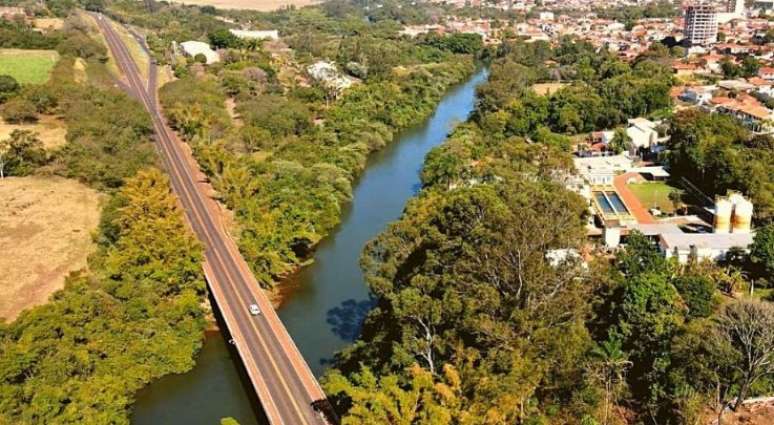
x,y
286,387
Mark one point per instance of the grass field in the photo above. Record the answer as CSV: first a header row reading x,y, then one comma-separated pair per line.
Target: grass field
x,y
654,194
46,230
27,66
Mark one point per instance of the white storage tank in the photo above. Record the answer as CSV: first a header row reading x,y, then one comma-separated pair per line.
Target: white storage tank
x,y
742,218
723,208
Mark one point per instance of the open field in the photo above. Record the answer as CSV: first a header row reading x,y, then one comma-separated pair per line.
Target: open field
x,y
654,194
45,233
49,23
28,66
51,130
547,89
260,5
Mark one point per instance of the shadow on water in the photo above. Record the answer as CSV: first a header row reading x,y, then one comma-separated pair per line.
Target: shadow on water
x,y
347,318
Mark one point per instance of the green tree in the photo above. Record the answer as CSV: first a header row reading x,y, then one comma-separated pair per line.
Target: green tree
x,y
224,39
762,252
621,142
20,152
8,87
383,400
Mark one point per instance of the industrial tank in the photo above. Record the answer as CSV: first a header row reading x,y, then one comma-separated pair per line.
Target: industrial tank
x,y
743,212
723,208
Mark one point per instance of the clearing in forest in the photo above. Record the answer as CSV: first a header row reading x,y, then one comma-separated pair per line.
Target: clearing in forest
x,y
259,5
46,228
28,66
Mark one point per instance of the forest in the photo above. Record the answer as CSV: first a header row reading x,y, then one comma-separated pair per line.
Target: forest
x,y
285,159
137,312
476,321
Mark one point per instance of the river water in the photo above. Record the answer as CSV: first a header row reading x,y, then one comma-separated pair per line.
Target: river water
x,y
327,300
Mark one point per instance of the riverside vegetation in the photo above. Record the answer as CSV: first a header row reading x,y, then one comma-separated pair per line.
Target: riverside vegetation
x,y
138,312
473,324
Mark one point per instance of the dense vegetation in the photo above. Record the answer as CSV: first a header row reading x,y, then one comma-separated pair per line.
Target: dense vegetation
x,y
717,153
137,313
286,165
135,316
478,322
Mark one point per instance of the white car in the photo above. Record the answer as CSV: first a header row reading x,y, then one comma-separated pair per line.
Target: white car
x,y
254,310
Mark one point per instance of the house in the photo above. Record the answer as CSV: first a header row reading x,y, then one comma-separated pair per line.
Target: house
x,y
193,48
698,95
684,69
643,133
762,86
702,246
746,109
256,35
766,72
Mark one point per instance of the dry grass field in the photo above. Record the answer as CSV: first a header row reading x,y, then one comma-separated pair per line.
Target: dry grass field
x,y
46,229
259,5
48,24
51,130
547,89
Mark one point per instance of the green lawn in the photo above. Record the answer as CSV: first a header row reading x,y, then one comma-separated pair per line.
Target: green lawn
x,y
654,194
27,66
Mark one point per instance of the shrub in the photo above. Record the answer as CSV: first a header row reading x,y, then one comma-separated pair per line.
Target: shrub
x,y
19,111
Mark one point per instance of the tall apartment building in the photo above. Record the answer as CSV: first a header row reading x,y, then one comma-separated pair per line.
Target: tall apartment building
x,y
735,6
701,24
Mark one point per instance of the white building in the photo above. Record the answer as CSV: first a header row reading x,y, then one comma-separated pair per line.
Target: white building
x,y
701,24
702,246
643,133
600,170
193,48
256,35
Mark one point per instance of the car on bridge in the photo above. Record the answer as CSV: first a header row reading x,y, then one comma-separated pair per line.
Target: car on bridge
x,y
254,310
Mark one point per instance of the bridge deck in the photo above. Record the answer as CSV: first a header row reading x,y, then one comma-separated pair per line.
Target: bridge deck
x,y
284,383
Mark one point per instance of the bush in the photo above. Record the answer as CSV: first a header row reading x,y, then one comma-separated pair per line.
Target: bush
x,y
8,87
19,111
200,58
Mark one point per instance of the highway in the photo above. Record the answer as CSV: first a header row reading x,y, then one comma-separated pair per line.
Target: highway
x,y
286,387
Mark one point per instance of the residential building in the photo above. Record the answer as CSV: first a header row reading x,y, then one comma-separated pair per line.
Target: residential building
x,y
701,24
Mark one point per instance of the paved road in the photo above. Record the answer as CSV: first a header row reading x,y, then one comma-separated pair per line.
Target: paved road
x,y
286,387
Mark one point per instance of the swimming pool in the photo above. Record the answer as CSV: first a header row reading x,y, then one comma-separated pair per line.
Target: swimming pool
x,y
610,203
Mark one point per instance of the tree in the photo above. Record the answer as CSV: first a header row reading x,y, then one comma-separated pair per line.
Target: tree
x,y
8,87
20,152
676,197
762,252
228,421
383,400
609,366
749,327
19,111
224,39
620,142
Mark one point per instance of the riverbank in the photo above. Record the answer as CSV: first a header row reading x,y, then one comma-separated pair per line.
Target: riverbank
x,y
329,297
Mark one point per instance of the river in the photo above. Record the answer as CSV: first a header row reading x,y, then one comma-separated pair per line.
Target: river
x,y
327,300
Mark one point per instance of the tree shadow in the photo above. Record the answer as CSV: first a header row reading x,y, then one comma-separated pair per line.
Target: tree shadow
x,y
346,320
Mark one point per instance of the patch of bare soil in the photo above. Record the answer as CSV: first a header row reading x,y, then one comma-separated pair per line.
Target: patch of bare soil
x,y
46,226
50,130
